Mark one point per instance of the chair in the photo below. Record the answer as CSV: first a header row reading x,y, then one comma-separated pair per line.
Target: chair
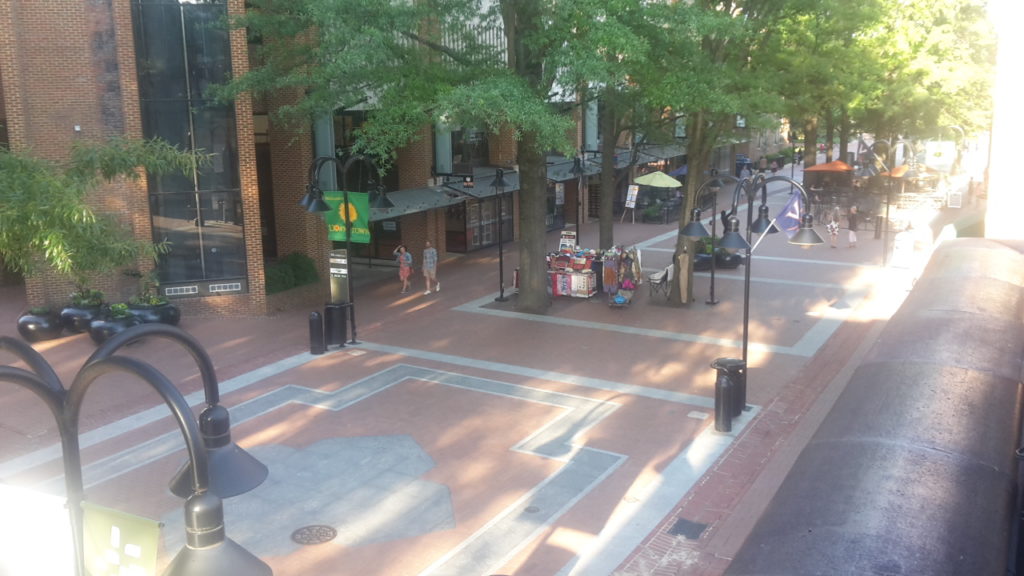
x,y
660,282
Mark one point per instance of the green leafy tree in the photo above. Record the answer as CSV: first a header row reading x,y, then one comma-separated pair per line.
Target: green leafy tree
x,y
45,216
520,66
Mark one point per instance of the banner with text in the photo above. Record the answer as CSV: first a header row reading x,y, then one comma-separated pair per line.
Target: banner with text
x,y
356,214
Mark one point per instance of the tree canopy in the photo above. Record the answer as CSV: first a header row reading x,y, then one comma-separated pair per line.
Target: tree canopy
x,y
45,216
526,66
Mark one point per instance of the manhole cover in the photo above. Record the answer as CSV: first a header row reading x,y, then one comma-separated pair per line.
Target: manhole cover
x,y
315,534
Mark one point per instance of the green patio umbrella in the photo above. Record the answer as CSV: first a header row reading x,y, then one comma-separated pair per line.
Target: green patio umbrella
x,y
658,179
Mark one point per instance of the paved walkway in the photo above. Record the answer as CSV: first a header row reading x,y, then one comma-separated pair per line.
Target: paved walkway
x,y
462,437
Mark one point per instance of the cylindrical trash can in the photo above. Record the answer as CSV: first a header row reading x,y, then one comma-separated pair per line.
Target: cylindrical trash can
x,y
335,328
736,369
316,333
723,398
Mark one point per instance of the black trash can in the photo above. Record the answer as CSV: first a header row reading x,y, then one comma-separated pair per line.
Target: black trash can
x,y
335,325
736,371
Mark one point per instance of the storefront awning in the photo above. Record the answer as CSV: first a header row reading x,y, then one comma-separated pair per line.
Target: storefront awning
x,y
482,180
562,169
416,200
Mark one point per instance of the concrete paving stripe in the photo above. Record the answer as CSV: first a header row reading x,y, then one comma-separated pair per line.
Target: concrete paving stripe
x,y
641,510
506,534
477,307
595,383
148,416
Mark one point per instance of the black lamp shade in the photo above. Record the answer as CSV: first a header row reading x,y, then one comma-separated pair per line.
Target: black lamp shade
x,y
499,180
694,229
763,223
806,236
733,241
318,205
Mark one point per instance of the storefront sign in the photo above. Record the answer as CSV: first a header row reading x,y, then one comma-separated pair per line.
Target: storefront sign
x,y
356,215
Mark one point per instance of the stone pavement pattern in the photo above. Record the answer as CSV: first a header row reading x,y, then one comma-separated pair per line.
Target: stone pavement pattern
x,y
462,437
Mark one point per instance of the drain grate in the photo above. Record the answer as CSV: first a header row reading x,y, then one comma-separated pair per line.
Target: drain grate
x,y
315,534
687,529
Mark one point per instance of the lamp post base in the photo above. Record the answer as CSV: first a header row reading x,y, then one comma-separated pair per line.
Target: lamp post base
x,y
711,301
501,298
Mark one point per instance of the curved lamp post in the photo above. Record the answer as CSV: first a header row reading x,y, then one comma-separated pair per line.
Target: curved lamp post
x,y
207,549
912,173
734,242
232,470
694,230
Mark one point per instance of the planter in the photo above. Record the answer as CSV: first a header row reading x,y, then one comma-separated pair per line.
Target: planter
x,y
723,261
39,327
163,313
103,329
78,318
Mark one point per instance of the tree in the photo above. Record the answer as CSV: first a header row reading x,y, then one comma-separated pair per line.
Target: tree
x,y
413,64
45,217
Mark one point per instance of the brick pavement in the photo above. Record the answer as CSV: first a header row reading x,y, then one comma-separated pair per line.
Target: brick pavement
x,y
617,402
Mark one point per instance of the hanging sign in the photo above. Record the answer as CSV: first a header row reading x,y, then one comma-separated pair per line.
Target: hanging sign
x,y
356,215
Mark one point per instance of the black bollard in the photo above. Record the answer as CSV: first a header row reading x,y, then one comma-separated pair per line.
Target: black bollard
x,y
723,398
316,333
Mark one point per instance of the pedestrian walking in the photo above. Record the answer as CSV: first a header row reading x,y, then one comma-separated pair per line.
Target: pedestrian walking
x,y
833,228
852,220
430,268
404,259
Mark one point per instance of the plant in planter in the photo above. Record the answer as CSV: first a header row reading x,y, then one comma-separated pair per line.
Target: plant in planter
x,y
65,233
653,212
148,305
39,323
86,306
117,319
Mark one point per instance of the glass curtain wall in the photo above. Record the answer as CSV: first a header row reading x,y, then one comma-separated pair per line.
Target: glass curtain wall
x,y
182,48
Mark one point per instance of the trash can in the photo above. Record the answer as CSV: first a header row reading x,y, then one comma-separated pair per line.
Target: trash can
x,y
735,370
335,326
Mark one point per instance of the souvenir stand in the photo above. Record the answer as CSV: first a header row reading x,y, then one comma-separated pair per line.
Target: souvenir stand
x,y
571,273
621,275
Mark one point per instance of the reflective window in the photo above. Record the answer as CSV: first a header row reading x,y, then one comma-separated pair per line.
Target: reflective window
x,y
182,49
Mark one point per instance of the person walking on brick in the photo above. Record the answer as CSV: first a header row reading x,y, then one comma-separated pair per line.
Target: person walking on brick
x,y
404,266
430,268
853,220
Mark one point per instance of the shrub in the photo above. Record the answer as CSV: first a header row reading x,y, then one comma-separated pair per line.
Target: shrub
x,y
303,268
279,278
290,272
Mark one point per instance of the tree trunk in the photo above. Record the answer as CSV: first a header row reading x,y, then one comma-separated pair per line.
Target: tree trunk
x,y
844,133
830,136
810,143
606,210
700,141
533,275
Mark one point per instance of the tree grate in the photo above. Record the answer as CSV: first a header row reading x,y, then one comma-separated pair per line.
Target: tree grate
x,y
687,529
315,534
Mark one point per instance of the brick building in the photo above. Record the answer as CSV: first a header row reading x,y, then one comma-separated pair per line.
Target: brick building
x,y
90,70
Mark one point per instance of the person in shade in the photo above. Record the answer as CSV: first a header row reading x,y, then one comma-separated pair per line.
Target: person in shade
x,y
430,268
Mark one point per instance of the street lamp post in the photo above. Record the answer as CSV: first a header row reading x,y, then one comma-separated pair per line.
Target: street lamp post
x,y
733,242
694,230
207,549
499,184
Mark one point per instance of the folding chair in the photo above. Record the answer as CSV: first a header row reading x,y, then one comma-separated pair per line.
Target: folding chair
x,y
660,282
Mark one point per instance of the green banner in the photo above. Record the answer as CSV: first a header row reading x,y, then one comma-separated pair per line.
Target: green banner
x,y
358,212
119,543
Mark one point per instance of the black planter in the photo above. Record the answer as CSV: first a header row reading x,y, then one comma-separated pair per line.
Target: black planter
x,y
77,318
103,329
39,327
164,313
